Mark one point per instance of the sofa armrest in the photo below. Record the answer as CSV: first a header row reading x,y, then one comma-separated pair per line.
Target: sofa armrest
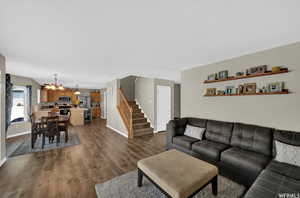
x,y
175,128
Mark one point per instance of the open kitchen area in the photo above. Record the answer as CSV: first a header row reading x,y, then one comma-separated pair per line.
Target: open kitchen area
x,y
83,105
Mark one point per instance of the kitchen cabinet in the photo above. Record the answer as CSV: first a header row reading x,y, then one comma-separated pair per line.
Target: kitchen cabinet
x,y
53,95
96,112
95,97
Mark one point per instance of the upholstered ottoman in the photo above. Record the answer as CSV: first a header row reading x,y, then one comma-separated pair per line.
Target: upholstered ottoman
x,y
177,174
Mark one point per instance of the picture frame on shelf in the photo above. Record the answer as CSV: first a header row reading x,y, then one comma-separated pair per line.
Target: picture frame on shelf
x,y
239,74
211,91
240,89
275,87
212,77
223,75
230,90
221,92
257,70
249,88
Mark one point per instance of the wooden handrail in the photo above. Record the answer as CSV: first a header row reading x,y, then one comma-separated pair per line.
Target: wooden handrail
x,y
125,111
125,100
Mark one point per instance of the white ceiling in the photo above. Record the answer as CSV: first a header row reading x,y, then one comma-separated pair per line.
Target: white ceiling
x,y
89,42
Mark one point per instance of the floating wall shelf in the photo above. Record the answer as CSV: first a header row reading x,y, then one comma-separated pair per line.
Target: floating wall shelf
x,y
249,76
253,94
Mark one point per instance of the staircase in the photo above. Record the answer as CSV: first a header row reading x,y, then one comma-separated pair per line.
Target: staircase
x,y
139,122
133,118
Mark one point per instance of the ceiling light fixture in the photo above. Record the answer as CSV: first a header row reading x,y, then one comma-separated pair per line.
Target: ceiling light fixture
x,y
77,92
54,86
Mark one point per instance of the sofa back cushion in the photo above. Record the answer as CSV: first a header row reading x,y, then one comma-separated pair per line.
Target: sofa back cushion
x,y
180,125
197,122
218,131
252,138
287,137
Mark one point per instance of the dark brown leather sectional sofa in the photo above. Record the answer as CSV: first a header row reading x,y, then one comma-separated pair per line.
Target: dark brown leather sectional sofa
x,y
243,153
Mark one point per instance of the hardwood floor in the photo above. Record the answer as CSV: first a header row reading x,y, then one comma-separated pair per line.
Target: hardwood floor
x,y
74,171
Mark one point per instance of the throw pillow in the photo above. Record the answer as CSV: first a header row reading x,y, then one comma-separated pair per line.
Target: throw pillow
x,y
195,132
287,153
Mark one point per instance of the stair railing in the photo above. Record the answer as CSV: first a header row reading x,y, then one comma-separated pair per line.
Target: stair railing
x,y
125,111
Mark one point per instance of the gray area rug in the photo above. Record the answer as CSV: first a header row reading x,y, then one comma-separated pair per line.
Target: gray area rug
x,y
126,186
23,146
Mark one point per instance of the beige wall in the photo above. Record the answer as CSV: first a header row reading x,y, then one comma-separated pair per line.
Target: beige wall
x,y
22,127
2,110
278,111
144,95
128,86
177,89
114,119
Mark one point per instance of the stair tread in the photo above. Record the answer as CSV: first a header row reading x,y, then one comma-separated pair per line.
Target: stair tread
x,y
140,123
143,129
138,118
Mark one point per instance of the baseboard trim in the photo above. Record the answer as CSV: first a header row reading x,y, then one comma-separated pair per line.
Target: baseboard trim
x,y
3,161
117,131
18,134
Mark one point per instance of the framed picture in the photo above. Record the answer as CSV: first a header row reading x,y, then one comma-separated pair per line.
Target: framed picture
x,y
212,77
240,89
238,74
230,90
211,91
257,70
223,75
249,88
221,92
275,87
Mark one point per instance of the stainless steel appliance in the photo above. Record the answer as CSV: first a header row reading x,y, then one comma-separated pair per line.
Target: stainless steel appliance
x,y
64,99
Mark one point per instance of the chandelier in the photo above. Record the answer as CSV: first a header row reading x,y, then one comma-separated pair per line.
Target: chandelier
x,y
54,86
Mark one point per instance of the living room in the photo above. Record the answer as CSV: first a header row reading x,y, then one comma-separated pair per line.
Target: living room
x,y
150,99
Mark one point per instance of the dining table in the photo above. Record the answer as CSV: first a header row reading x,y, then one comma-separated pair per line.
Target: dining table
x,y
37,127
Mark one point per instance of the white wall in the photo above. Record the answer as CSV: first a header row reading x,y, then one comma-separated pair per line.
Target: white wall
x,y
114,119
2,110
278,111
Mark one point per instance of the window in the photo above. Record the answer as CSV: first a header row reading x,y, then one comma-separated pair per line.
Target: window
x,y
19,107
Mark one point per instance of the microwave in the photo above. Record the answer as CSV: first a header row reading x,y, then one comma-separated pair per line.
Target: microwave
x,y
66,99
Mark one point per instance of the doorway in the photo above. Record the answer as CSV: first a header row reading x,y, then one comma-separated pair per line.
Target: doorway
x,y
163,107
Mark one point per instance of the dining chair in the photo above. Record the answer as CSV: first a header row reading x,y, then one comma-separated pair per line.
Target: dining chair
x,y
64,127
50,129
35,129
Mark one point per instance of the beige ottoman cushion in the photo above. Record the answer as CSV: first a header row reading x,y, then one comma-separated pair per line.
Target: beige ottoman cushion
x,y
177,173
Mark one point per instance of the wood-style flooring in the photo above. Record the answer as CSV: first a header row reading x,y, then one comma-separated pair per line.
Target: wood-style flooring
x,y
73,171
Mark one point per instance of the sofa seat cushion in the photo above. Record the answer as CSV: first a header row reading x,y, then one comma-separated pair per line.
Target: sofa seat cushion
x,y
284,169
270,184
242,160
184,141
209,149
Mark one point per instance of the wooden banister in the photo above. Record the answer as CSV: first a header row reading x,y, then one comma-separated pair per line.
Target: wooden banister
x,y
125,100
125,111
